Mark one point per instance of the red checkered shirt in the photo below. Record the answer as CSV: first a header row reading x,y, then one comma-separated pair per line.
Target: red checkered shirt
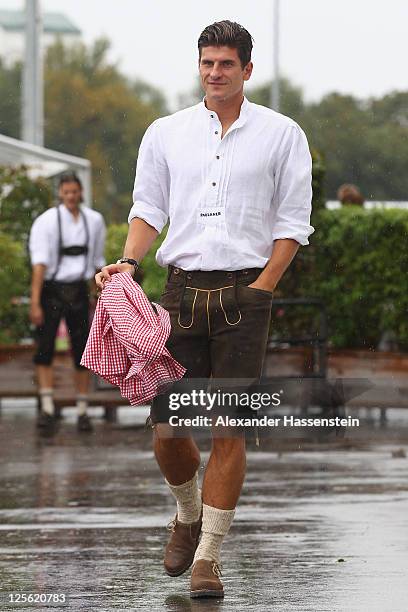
x,y
126,343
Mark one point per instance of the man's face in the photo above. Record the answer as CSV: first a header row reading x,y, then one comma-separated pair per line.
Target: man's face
x,y
70,194
221,73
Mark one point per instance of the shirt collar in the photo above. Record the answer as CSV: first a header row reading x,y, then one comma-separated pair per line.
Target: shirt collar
x,y
243,114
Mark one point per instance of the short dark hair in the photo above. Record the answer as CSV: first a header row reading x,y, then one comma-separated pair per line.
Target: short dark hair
x,y
69,177
229,34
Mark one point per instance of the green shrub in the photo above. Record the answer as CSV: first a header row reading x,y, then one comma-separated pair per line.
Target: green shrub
x,y
357,264
14,280
154,275
318,176
22,199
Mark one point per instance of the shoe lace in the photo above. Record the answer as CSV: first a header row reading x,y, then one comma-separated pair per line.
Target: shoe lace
x,y
172,525
216,568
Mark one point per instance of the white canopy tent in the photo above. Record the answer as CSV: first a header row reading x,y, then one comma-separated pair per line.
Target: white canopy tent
x,y
45,162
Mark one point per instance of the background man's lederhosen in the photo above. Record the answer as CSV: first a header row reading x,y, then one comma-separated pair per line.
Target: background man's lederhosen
x,y
220,329
64,300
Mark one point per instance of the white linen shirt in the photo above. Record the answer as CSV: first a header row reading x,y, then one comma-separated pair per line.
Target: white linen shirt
x,y
43,243
227,199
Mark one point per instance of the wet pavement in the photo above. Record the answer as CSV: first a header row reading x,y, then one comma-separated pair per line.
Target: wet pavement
x,y
321,526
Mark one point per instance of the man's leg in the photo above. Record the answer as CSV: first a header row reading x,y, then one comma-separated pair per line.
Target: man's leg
x,y
240,331
178,458
45,380
77,319
222,486
45,339
82,378
176,452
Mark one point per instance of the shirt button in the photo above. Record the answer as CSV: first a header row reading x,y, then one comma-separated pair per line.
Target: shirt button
x,y
216,132
218,157
214,184
212,116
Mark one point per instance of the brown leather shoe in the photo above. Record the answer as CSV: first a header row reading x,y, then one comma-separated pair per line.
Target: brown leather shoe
x,y
181,547
205,580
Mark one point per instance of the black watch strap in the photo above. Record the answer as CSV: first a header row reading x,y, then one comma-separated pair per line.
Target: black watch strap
x,y
129,260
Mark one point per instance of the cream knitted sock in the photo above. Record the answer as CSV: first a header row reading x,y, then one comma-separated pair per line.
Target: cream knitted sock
x,y
188,497
47,401
81,403
216,524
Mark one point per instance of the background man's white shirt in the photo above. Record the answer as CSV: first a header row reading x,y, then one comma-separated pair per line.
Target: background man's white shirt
x,y
227,199
43,243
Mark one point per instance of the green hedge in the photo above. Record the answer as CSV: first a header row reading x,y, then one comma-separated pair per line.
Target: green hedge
x,y
357,264
22,199
14,280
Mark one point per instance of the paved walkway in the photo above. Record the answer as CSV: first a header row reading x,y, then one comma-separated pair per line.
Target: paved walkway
x,y
320,527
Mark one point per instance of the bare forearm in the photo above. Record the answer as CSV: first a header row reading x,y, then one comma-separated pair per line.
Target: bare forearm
x,y
140,238
37,281
284,251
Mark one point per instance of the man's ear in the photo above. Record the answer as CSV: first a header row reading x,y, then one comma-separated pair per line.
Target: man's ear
x,y
248,71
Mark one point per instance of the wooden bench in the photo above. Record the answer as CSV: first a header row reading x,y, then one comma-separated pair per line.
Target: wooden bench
x,y
17,380
388,370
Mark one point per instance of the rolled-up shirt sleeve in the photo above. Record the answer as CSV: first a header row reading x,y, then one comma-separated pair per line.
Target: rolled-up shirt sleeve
x,y
39,242
293,189
152,182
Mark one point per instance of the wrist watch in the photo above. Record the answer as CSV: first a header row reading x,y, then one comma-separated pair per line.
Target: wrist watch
x,y
131,261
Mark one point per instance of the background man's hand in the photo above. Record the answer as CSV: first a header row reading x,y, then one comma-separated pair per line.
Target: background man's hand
x,y
36,315
104,276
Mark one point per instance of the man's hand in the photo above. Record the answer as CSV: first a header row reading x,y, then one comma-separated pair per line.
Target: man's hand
x,y
284,250
104,276
36,315
259,285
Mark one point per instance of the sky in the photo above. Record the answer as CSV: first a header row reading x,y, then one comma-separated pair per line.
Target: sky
x,y
350,46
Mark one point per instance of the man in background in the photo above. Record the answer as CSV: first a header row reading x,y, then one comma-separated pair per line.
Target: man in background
x,y
66,249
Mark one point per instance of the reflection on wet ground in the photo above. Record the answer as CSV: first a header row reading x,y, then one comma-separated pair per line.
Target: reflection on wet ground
x,y
320,526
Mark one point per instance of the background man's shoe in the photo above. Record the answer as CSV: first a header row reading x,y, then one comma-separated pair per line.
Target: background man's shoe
x,y
181,547
205,580
84,423
48,423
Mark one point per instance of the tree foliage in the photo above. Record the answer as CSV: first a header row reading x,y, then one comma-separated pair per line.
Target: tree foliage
x,y
94,111
361,141
91,110
22,199
10,100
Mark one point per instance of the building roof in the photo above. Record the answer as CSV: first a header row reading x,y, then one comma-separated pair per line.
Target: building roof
x,y
54,23
44,162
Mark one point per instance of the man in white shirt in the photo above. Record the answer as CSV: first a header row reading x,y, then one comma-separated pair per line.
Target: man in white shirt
x,y
66,248
234,180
